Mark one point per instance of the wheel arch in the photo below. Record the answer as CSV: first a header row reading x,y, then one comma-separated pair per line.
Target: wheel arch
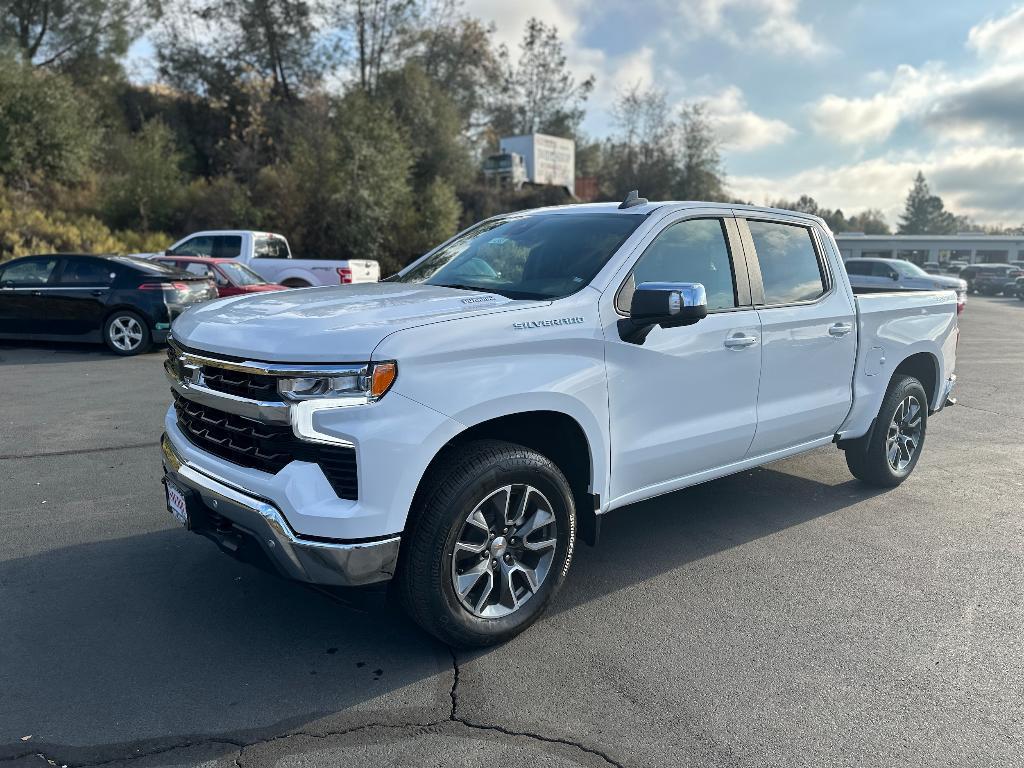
x,y
554,434
923,366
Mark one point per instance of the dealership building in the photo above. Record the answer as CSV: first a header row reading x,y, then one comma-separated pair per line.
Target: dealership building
x,y
972,248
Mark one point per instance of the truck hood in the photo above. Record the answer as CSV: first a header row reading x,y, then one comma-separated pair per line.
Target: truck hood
x,y
325,325
945,282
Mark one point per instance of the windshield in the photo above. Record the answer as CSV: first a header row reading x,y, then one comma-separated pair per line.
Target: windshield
x,y
543,256
909,269
240,274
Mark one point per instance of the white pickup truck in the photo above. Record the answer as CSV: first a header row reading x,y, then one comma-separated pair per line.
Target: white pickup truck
x,y
270,257
457,427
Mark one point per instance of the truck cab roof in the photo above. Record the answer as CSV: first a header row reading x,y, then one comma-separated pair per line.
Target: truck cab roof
x,y
675,205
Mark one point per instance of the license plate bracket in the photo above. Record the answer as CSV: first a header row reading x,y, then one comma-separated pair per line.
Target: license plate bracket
x,y
177,503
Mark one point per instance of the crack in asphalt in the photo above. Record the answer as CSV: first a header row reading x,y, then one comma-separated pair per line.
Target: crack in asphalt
x,y
77,451
243,747
454,717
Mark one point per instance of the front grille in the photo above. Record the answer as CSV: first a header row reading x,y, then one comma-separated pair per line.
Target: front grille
x,y
250,385
267,447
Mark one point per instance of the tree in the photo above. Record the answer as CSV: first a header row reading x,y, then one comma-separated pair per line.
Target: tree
x,y
211,47
380,28
701,176
145,187
924,213
75,36
48,132
644,150
345,182
539,94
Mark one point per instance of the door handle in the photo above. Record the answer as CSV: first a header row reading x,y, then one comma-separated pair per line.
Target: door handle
x,y
37,293
840,329
740,341
97,293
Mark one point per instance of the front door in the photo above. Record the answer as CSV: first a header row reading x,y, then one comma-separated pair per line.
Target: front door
x,y
24,296
684,401
809,334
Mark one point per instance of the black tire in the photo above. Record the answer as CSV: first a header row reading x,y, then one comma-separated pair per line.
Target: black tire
x,y
869,457
126,333
461,483
294,283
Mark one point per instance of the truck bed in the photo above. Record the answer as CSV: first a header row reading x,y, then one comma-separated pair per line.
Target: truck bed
x,y
892,325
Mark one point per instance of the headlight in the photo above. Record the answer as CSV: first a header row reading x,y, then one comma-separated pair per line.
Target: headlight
x,y
356,384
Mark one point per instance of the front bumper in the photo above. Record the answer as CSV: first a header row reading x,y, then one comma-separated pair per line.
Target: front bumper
x,y
242,524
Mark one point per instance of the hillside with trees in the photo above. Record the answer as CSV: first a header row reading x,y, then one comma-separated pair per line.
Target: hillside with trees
x,y
355,128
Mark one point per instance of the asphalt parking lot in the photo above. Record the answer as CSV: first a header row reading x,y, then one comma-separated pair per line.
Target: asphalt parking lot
x,y
783,617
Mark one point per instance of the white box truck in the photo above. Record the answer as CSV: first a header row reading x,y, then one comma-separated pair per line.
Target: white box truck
x,y
550,160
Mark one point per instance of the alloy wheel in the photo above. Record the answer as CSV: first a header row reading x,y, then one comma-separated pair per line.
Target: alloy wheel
x,y
504,551
904,434
125,333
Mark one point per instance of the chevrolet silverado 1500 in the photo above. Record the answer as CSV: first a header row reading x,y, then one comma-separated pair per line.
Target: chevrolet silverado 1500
x,y
457,427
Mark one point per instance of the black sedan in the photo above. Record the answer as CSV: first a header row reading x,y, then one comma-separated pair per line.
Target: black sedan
x,y
125,302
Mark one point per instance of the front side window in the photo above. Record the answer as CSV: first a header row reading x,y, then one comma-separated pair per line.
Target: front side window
x,y
790,270
227,246
538,256
883,269
692,251
29,272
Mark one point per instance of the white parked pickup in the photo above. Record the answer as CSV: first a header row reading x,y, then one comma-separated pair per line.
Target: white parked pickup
x,y
270,257
457,427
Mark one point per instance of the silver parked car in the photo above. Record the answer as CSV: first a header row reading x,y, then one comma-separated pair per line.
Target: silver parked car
x,y
900,275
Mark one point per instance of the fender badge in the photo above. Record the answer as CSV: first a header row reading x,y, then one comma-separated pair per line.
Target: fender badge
x,y
547,323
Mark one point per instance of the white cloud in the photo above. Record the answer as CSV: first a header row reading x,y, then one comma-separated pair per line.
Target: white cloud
x,y
771,25
739,128
509,18
864,120
1001,38
981,182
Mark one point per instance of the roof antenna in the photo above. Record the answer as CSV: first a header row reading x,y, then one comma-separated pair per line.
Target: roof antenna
x,y
633,198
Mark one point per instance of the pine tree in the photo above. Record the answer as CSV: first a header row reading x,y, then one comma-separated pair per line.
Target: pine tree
x,y
924,213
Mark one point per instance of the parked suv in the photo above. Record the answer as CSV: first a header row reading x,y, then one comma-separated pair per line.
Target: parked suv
x,y
997,279
125,302
458,427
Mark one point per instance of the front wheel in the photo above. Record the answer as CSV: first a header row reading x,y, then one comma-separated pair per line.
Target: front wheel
x,y
126,333
489,544
887,456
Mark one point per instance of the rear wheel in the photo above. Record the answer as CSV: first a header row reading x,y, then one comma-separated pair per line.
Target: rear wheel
x,y
126,333
887,456
489,545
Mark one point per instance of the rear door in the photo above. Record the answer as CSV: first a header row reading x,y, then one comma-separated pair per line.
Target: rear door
x,y
808,331
24,292
78,298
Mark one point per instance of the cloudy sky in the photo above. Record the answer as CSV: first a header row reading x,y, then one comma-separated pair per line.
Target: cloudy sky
x,y
844,101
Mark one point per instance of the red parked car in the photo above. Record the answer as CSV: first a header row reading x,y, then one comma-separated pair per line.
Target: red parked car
x,y
231,277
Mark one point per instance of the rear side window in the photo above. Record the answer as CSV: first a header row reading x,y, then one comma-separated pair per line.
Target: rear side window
x,y
87,272
196,246
692,251
271,248
790,270
28,272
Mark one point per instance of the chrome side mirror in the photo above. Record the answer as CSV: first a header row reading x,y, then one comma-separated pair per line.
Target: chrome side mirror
x,y
668,305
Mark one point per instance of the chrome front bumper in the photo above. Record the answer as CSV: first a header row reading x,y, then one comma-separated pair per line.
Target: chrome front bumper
x,y
241,516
